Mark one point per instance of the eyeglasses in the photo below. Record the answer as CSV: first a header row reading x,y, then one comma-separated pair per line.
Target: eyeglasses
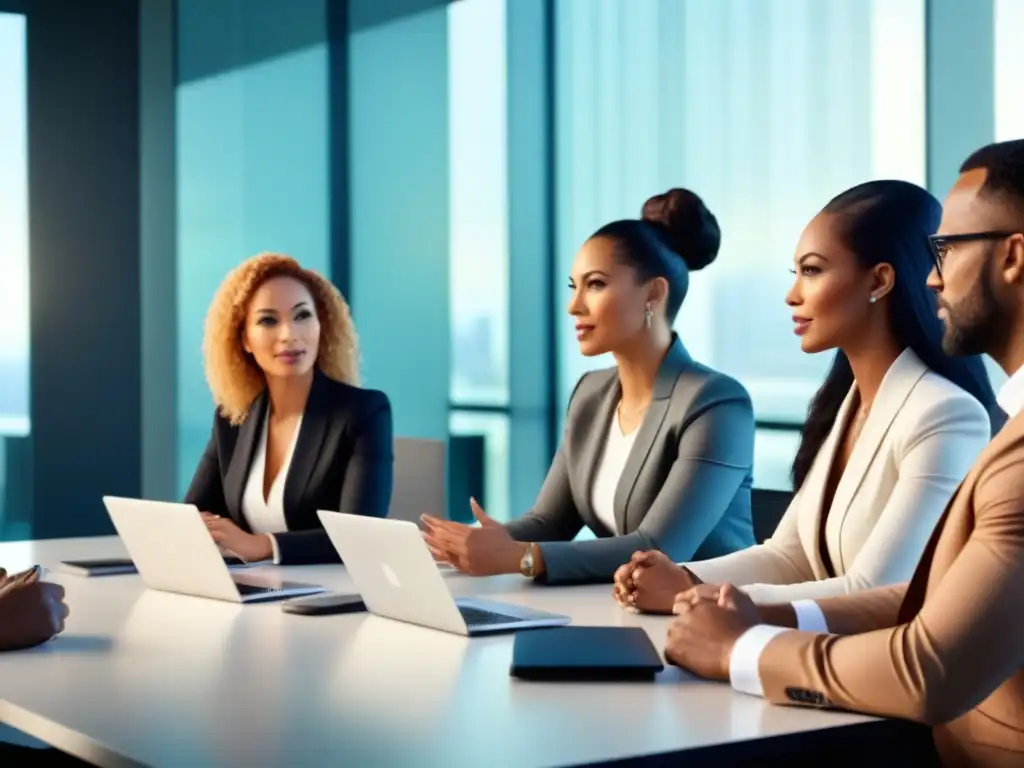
x,y
940,243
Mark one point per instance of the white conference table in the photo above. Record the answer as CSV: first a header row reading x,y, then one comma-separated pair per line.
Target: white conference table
x,y
144,678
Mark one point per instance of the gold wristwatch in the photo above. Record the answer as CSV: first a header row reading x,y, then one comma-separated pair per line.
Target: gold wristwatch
x,y
526,566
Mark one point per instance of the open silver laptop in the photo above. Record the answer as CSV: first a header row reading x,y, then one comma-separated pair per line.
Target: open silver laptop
x,y
174,552
398,579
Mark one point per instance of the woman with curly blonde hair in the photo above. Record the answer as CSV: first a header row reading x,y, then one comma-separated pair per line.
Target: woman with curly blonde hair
x,y
293,432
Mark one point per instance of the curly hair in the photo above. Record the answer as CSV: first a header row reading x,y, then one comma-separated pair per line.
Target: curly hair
x,y
234,378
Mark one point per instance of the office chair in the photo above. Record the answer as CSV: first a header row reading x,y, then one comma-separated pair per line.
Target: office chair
x,y
767,508
420,479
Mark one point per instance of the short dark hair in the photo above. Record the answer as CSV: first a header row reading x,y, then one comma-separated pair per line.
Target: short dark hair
x,y
675,234
1004,163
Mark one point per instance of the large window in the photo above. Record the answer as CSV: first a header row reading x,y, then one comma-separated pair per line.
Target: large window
x,y
765,109
14,331
15,482
478,197
1008,66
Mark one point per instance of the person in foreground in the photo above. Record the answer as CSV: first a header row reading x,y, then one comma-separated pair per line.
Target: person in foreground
x,y
890,434
293,432
658,450
32,612
944,649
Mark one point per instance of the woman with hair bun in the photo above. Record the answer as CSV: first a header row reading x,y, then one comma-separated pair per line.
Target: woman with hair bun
x,y
293,432
658,450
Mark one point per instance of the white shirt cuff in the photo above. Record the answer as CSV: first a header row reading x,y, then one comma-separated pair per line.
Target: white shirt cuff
x,y
273,545
809,617
744,664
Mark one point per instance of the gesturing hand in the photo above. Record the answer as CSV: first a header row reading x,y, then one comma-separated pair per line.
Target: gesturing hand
x,y
479,551
31,611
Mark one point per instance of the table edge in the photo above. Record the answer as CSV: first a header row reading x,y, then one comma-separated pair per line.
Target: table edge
x,y
63,738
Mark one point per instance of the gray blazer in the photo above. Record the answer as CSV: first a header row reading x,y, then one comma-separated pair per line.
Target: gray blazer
x,y
685,489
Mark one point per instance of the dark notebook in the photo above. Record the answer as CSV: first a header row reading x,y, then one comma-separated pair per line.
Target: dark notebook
x,y
119,565
585,653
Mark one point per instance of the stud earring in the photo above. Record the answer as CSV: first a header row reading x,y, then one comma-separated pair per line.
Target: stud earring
x,y
648,315
872,299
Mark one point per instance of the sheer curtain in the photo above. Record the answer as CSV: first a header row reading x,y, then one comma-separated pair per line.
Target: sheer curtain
x,y
766,110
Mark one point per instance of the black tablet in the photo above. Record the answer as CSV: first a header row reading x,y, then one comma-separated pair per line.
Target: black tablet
x,y
585,653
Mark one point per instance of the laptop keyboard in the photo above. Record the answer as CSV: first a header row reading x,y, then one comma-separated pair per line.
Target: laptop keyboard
x,y
475,617
253,589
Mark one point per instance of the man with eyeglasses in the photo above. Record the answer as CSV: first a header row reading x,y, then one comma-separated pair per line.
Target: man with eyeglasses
x,y
947,649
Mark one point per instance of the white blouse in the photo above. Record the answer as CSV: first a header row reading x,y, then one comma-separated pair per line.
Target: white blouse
x,y
616,451
266,515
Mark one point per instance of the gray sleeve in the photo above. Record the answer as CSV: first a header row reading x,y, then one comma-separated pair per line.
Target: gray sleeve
x,y
716,453
554,516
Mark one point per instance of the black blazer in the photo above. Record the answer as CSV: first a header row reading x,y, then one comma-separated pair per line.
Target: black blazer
x,y
343,461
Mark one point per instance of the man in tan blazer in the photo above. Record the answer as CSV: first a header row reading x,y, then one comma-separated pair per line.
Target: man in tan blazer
x,y
947,649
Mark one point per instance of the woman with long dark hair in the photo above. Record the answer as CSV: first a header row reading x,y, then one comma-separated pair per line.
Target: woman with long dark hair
x,y
890,434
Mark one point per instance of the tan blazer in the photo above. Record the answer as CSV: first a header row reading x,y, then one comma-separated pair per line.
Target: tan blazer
x,y
920,439
946,649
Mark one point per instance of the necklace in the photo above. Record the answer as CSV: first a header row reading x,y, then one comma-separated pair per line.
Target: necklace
x,y
858,422
635,411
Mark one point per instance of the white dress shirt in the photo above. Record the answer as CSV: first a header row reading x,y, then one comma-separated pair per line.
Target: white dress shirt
x,y
744,664
1011,394
616,451
266,515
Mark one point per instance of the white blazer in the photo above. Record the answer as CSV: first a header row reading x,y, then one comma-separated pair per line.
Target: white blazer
x,y
921,436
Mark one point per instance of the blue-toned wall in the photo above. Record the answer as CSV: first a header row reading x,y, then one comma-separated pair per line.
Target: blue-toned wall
x,y
84,236
253,167
398,133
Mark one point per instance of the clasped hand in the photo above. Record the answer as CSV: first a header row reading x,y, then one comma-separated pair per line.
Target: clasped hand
x,y
31,611
709,620
650,581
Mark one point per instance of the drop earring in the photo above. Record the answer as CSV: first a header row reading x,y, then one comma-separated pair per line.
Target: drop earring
x,y
648,316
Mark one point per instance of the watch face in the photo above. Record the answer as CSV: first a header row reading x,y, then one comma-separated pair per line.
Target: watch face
x,y
526,564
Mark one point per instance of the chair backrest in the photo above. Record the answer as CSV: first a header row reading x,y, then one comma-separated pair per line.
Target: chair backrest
x,y
467,475
419,479
767,508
